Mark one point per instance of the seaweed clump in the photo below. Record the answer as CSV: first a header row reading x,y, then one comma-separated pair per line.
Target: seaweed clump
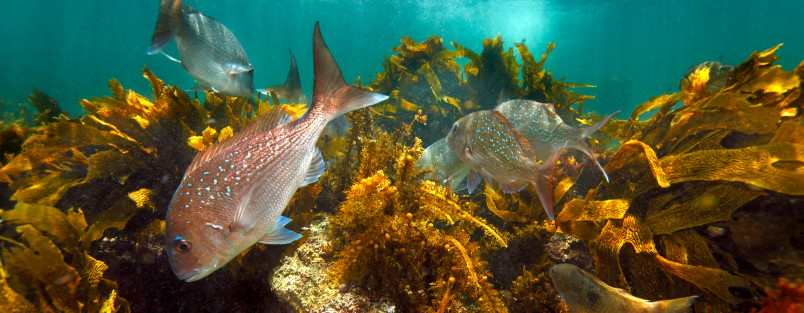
x,y
787,297
702,198
399,237
91,194
426,76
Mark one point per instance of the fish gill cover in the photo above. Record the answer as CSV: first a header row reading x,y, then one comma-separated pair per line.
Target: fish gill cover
x,y
704,198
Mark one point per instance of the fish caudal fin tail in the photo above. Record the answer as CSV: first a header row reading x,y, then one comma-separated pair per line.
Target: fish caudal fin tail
x,y
330,89
591,129
167,23
588,131
542,184
679,305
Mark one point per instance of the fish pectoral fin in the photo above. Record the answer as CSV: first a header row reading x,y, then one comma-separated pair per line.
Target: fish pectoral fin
x,y
243,221
472,180
514,186
279,235
316,168
235,68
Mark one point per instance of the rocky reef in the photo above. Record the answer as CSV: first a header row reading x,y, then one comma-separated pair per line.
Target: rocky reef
x,y
704,198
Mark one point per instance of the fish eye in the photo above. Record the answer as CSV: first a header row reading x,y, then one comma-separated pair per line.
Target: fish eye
x,y
183,246
455,127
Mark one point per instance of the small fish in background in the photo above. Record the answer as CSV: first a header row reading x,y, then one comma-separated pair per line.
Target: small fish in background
x,y
234,192
291,89
337,127
447,168
545,130
718,75
584,293
208,51
495,151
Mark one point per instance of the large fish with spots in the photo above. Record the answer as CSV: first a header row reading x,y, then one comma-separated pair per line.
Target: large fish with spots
x,y
495,151
545,130
207,49
584,293
233,194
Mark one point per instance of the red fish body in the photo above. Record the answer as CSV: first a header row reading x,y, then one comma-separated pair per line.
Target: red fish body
x,y
233,194
494,150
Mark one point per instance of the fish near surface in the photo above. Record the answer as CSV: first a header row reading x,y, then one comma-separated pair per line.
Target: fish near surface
x,y
584,293
291,90
718,75
233,194
447,168
208,50
494,150
545,130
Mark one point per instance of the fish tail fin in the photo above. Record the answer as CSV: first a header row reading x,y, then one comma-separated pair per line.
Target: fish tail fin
x,y
542,184
329,88
167,23
588,131
679,305
591,129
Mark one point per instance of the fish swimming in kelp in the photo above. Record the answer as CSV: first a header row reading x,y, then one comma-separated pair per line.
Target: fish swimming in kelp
x,y
494,150
584,293
208,50
445,167
291,89
544,129
718,75
233,194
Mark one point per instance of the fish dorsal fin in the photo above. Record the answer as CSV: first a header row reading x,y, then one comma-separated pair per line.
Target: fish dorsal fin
x,y
316,168
274,118
291,90
278,234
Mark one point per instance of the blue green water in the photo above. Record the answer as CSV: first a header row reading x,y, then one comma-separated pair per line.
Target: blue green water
x,y
631,50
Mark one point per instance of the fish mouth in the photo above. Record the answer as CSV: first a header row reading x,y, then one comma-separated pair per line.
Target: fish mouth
x,y
188,276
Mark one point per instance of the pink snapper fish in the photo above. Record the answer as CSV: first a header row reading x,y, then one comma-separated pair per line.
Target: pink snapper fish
x,y
494,150
233,194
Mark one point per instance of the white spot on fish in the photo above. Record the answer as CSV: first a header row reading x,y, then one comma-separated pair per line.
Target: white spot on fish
x,y
213,226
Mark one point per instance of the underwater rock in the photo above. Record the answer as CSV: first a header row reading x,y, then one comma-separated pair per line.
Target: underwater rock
x,y
563,248
302,282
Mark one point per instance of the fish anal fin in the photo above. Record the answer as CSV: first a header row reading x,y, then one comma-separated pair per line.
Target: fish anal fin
x,y
316,168
278,234
513,186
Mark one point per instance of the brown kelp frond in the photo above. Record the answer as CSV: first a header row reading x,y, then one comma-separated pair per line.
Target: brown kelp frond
x,y
697,187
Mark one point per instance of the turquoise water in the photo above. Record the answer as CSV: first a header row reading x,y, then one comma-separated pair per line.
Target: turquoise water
x,y
631,50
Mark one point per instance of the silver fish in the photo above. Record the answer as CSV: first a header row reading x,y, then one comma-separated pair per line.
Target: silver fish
x,y
208,50
233,194
494,150
291,90
584,293
545,130
718,75
446,167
